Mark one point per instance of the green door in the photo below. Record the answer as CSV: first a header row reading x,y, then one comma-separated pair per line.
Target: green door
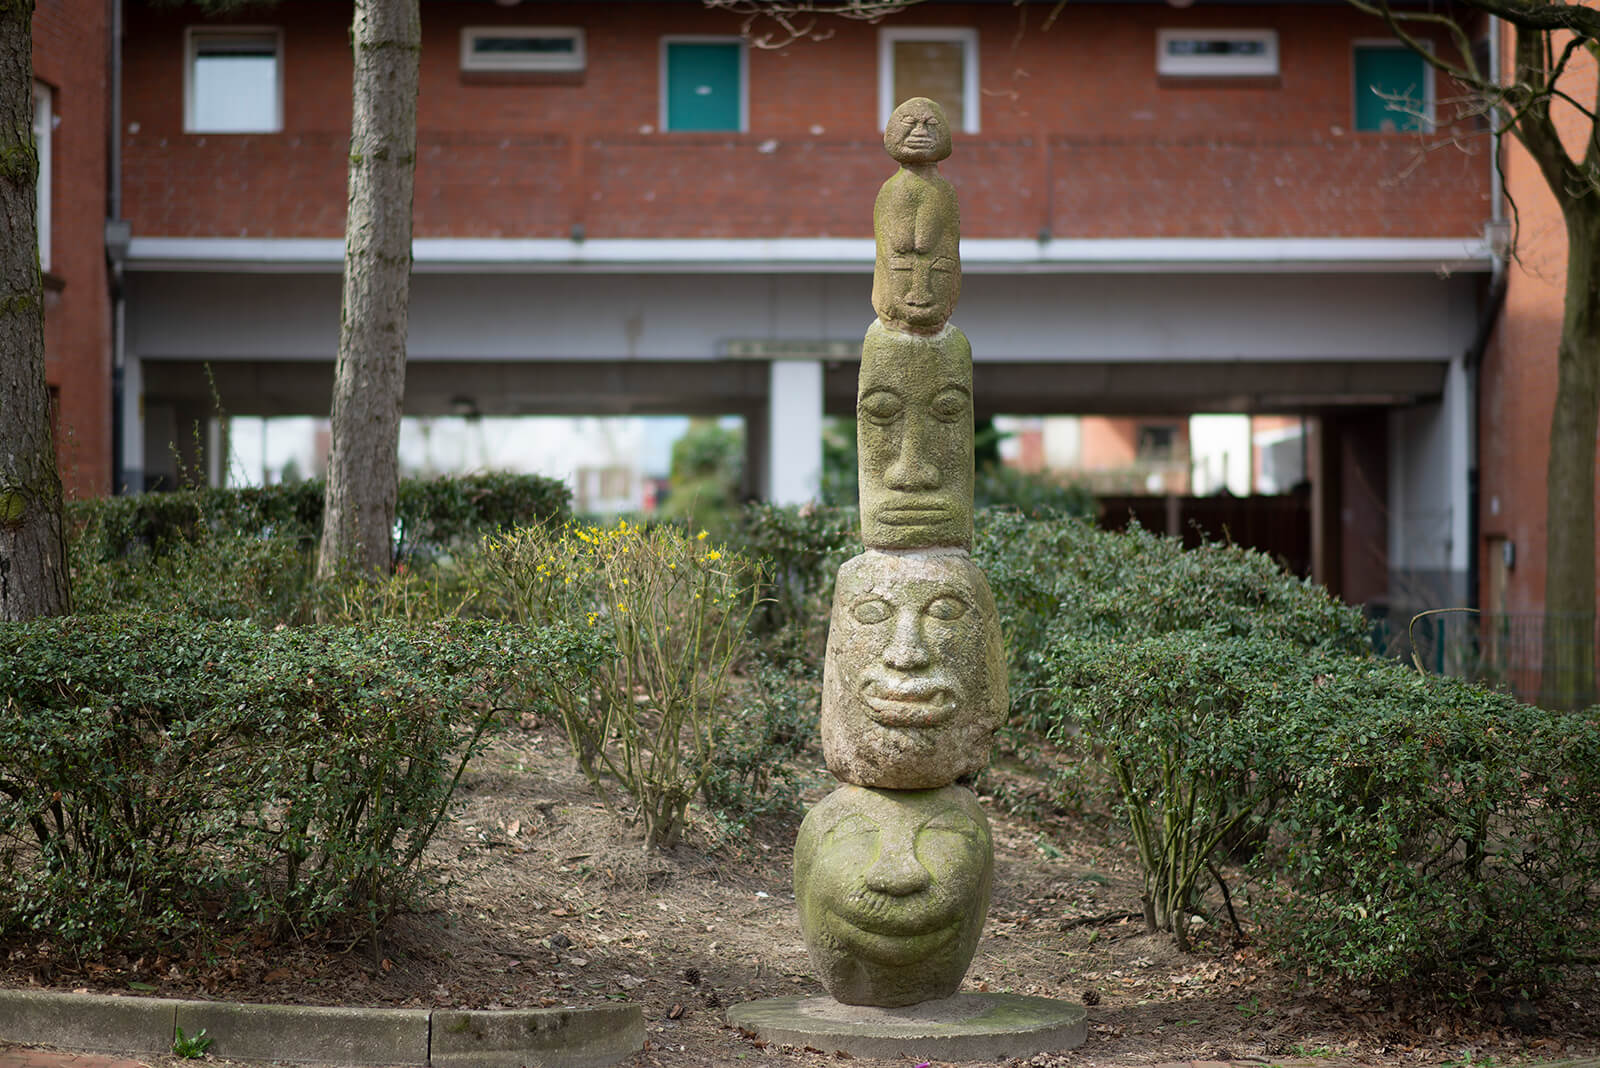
x,y
1391,87
703,86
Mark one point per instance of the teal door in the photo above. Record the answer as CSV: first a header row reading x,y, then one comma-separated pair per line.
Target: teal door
x,y
703,86
1391,88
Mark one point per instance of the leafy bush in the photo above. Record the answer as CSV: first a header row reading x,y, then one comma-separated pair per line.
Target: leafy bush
x,y
769,725
674,609
1041,495
1433,832
803,548
1057,579
163,779
430,513
1173,719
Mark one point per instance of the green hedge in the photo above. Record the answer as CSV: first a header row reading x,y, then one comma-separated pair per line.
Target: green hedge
x,y
1413,829
429,513
164,781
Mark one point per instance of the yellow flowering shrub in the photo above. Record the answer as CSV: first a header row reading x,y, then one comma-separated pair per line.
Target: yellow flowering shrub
x,y
675,610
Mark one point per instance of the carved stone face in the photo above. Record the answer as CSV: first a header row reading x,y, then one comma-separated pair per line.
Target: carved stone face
x,y
914,438
917,132
893,887
916,278
914,683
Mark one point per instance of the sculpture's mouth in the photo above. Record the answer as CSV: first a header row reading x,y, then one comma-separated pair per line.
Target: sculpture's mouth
x,y
921,139
913,514
891,947
917,703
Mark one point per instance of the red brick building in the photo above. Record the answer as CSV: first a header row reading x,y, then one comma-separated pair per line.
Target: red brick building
x,y
72,95
622,207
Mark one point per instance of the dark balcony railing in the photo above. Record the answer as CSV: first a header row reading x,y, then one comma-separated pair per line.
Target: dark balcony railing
x,y
1505,651
728,185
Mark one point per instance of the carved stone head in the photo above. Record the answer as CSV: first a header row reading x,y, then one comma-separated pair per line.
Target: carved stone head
x,y
914,682
917,133
914,439
893,888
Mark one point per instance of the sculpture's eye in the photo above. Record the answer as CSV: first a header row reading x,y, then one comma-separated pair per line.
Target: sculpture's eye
x,y
945,264
947,608
854,825
952,821
950,405
881,406
873,611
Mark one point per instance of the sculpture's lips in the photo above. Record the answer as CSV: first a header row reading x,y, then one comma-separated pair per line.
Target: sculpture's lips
x,y
919,139
913,514
908,706
895,947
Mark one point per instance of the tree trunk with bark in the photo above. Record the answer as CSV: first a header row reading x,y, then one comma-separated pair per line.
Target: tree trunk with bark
x,y
33,569
369,377
1568,656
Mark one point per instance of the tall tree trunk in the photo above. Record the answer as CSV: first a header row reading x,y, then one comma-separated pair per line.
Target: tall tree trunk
x,y
33,571
1569,624
369,378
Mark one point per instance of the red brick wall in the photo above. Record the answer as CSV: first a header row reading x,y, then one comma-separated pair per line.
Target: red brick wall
x,y
1078,136
1518,378
70,48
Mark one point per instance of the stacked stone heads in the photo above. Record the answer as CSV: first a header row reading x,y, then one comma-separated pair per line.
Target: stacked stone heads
x,y
892,871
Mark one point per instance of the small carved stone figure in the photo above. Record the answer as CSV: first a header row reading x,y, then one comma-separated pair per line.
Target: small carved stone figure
x,y
914,437
916,278
893,888
914,682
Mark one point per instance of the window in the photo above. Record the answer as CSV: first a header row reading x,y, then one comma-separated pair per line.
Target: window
x,y
1394,88
1217,53
1156,442
702,83
941,64
43,127
522,48
233,81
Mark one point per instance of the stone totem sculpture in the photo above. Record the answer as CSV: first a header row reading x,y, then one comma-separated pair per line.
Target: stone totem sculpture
x,y
893,870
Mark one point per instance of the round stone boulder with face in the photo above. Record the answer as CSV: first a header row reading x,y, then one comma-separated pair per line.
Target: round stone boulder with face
x,y
893,888
914,682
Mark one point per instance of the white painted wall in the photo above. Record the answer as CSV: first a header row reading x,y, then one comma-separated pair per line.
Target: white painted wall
x,y
691,316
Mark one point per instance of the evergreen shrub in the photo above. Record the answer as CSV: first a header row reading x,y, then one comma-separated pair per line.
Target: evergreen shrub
x,y
165,780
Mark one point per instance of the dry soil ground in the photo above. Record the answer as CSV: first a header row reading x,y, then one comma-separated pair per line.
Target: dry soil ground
x,y
553,903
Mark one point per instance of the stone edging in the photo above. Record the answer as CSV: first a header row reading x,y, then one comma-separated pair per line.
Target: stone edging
x,y
567,1037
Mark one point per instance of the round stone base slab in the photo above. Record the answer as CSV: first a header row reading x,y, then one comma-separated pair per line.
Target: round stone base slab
x,y
966,1027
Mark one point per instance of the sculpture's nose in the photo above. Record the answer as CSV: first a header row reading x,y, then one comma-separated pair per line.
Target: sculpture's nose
x,y
912,470
898,873
906,652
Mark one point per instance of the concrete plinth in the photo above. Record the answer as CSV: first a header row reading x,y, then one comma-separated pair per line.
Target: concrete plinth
x,y
966,1027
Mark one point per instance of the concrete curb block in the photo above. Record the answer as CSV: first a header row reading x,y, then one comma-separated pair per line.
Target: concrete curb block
x,y
95,1022
546,1038
568,1037
303,1033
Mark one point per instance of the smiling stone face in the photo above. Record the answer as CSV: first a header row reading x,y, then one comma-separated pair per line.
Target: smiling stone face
x,y
914,437
914,682
917,132
893,887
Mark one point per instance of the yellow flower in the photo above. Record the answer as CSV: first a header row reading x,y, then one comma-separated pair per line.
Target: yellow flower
x,y
702,536
713,555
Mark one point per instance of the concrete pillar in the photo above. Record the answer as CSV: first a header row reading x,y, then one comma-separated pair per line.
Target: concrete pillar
x,y
131,478
794,431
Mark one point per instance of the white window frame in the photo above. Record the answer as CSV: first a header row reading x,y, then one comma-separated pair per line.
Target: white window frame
x,y
192,36
471,61
44,121
968,39
1427,82
1266,65
693,38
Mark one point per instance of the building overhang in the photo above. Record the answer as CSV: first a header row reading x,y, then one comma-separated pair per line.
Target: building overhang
x,y
1134,255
